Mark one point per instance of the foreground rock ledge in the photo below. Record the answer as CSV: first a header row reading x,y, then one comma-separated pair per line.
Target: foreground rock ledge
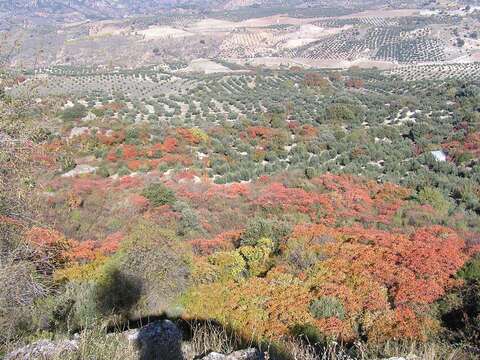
x,y
159,340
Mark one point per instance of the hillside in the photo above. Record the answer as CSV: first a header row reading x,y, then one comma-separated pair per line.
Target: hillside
x,y
239,180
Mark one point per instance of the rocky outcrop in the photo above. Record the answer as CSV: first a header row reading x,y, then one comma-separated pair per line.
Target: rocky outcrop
x,y
81,169
248,354
44,349
159,337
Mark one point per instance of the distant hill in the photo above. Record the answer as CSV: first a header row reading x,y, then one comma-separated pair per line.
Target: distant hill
x,y
95,8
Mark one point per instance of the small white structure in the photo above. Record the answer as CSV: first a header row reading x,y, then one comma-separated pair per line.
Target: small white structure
x,y
439,155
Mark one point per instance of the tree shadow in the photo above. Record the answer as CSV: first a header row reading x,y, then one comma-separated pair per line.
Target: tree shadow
x,y
160,337
118,293
155,337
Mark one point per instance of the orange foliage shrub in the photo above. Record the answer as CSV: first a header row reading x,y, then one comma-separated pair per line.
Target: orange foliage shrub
x,y
172,159
128,182
135,165
309,131
111,137
111,243
400,324
188,135
354,83
414,269
129,152
169,145
50,245
223,241
139,202
259,131
471,144
82,251
83,185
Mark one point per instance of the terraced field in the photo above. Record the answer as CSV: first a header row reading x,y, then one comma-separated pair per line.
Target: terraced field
x,y
466,71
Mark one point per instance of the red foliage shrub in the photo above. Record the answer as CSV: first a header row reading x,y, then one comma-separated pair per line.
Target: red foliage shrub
x,y
223,241
139,202
112,156
128,182
173,159
111,243
309,131
185,175
135,165
278,195
82,251
111,137
88,185
292,125
416,269
51,247
188,136
129,152
354,83
169,145
259,131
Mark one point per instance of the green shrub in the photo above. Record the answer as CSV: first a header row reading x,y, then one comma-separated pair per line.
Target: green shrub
x,y
326,307
259,228
123,171
158,194
158,263
189,219
309,333
229,265
69,310
433,197
67,162
75,112
257,257
471,270
310,172
103,171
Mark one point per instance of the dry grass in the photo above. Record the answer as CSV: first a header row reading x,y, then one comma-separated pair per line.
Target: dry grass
x,y
207,337
97,344
424,351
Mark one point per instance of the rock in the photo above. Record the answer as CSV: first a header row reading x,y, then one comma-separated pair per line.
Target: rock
x,y
80,170
79,131
89,117
160,338
44,349
4,138
248,354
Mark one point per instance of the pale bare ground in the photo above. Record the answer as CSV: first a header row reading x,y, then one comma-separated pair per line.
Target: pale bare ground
x,y
162,32
476,56
205,66
212,25
309,33
235,4
74,24
277,62
106,27
281,19
385,13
